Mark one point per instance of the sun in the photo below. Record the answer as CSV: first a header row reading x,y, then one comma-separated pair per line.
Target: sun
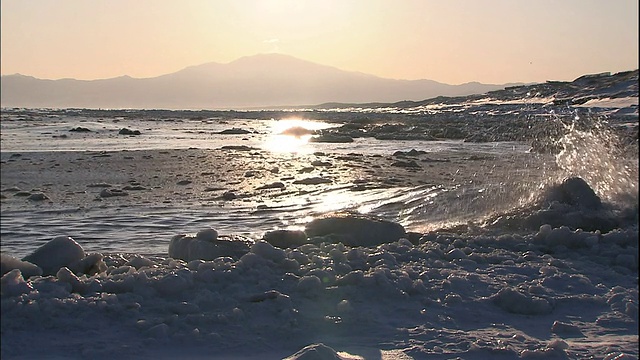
x,y
292,135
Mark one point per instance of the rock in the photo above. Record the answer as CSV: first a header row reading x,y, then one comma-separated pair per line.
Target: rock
x,y
571,203
575,191
234,131
38,196
405,164
412,152
134,188
331,138
321,163
79,129
125,131
229,195
285,238
274,185
106,193
356,230
60,251
238,148
313,181
101,185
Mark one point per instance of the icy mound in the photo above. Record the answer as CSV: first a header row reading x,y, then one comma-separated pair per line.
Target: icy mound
x,y
573,204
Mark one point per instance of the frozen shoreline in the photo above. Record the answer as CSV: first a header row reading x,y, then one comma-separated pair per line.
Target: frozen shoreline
x,y
241,192
513,288
544,293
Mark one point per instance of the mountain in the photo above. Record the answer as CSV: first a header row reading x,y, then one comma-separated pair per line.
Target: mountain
x,y
591,90
267,81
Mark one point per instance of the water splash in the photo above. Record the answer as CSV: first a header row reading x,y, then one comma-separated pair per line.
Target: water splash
x,y
595,154
576,147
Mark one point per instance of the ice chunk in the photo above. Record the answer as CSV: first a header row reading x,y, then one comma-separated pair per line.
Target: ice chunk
x,y
60,251
13,284
8,263
207,245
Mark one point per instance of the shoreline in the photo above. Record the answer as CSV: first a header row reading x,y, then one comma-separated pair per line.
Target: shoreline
x,y
76,178
245,191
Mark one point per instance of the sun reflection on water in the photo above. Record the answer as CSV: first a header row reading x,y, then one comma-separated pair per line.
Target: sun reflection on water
x,y
292,135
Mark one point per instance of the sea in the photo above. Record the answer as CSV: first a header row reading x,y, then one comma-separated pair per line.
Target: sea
x,y
509,175
511,253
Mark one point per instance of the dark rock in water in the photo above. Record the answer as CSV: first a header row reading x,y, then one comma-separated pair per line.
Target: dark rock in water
x,y
406,164
229,195
38,197
575,191
331,138
238,148
80,129
206,245
274,185
285,238
125,131
234,131
60,251
313,181
412,152
356,230
106,193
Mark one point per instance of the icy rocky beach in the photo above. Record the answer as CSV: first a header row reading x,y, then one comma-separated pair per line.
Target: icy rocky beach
x,y
497,226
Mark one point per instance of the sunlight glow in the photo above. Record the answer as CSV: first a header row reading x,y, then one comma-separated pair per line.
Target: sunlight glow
x,y
292,135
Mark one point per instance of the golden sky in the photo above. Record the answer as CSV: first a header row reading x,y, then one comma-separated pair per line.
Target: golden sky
x,y
451,41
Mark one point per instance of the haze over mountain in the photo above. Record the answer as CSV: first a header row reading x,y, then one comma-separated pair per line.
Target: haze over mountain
x,y
260,81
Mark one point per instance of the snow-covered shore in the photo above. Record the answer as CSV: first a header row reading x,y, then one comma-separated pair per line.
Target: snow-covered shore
x,y
446,250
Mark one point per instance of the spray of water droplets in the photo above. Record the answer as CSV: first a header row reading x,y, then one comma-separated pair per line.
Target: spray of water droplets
x,y
594,153
573,146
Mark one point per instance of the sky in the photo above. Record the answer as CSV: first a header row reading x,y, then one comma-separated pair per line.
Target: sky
x,y
450,41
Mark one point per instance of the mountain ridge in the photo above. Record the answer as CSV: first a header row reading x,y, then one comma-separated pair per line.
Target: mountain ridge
x,y
263,80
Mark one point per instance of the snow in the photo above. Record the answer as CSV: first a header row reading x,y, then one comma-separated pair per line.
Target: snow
x,y
550,293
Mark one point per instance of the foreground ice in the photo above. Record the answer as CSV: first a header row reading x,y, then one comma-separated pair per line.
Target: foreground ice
x,y
338,292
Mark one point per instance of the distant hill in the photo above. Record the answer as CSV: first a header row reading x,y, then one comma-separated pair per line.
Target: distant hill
x,y
260,81
586,88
